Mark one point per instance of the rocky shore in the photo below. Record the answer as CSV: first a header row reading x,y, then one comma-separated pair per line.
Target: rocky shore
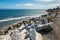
x,y
55,34
51,35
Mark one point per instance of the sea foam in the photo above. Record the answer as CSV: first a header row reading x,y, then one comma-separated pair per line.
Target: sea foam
x,y
16,18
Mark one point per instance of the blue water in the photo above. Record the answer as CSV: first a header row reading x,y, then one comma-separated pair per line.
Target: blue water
x,y
8,13
12,13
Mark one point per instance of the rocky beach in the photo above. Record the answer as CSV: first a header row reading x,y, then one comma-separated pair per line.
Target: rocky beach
x,y
55,33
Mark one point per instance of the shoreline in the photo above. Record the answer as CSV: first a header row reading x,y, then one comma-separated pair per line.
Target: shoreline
x,y
54,34
19,18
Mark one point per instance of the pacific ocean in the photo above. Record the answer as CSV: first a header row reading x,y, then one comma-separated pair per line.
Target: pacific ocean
x,y
15,13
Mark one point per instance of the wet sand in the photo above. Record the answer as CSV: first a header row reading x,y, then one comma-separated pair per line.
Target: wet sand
x,y
55,34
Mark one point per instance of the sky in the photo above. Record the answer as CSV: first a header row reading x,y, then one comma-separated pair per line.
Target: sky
x,y
29,4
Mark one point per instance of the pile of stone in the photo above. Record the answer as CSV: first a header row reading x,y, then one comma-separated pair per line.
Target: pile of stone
x,y
24,29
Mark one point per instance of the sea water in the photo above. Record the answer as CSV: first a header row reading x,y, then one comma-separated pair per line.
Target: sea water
x,y
7,14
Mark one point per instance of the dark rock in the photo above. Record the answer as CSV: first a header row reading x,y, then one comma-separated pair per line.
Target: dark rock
x,y
44,30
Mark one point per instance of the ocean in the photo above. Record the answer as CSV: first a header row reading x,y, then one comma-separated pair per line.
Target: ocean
x,y
6,14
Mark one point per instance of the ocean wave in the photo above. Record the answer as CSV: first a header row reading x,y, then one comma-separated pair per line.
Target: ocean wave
x,y
9,19
15,18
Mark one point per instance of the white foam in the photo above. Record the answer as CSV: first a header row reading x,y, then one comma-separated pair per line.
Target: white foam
x,y
9,19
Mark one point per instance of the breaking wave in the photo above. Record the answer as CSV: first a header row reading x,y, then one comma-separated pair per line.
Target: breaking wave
x,y
9,19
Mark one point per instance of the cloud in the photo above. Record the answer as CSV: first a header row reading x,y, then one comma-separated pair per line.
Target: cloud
x,y
55,5
45,0
24,5
28,4
36,6
51,6
31,6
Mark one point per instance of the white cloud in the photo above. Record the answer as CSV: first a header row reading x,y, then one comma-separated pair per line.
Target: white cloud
x,y
34,6
24,5
28,4
55,5
45,0
52,5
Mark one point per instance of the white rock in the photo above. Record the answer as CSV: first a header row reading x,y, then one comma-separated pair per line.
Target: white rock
x,y
5,37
